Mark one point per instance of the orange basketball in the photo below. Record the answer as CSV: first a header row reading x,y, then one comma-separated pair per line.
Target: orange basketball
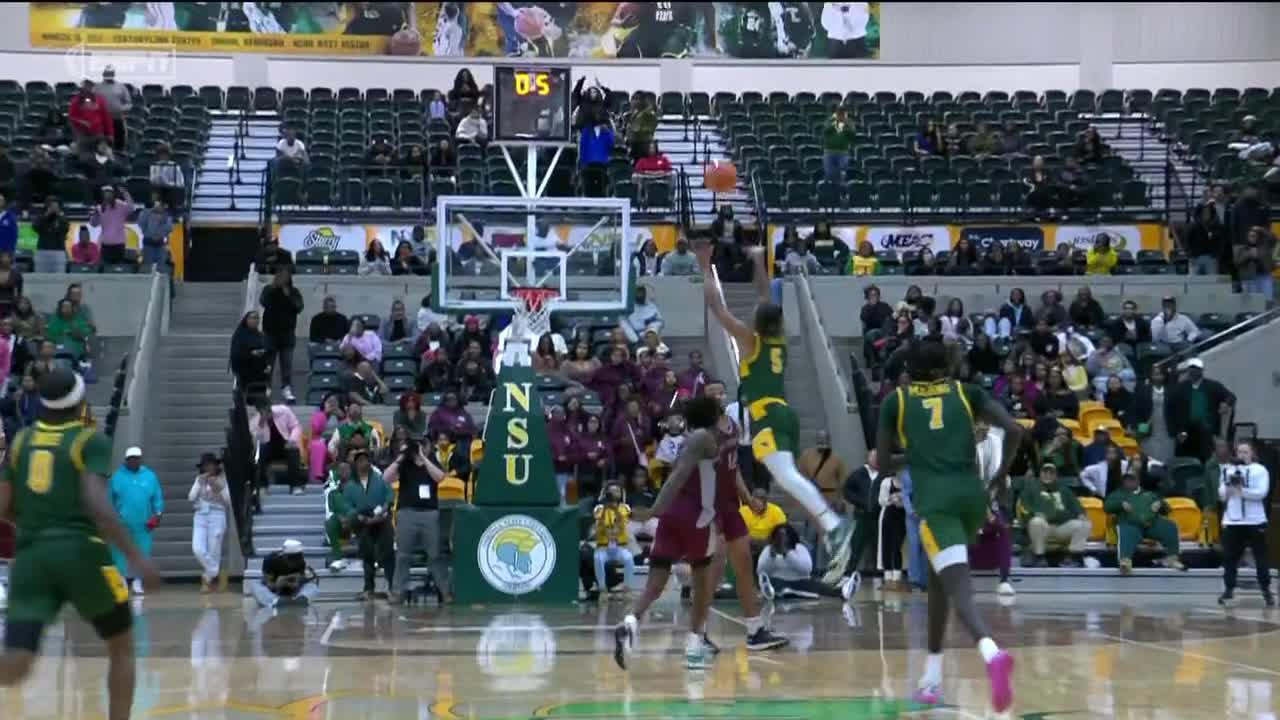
x,y
720,176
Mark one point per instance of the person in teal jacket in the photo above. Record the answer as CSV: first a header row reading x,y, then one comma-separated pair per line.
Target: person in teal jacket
x,y
139,501
1141,514
368,511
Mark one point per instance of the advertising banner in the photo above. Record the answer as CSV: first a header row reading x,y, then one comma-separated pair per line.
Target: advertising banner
x,y
295,237
800,30
1031,238
908,239
1083,237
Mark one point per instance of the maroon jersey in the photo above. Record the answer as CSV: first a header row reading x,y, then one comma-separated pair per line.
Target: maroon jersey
x,y
679,536
728,517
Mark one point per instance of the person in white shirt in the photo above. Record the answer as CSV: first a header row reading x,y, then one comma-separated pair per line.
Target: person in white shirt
x,y
785,568
1243,490
846,27
1172,327
644,314
212,501
290,148
472,128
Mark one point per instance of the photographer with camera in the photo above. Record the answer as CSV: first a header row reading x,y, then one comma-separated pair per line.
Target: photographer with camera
x,y
417,517
1243,490
285,578
612,517
785,568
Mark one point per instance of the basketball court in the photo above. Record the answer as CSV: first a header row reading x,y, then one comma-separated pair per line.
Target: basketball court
x,y
1082,656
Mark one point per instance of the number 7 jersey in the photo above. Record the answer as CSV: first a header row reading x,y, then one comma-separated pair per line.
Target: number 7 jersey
x,y
933,423
44,467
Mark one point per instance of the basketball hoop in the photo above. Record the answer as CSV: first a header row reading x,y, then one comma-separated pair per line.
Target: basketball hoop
x,y
533,310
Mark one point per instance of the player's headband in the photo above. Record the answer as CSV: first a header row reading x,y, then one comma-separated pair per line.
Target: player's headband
x,y
68,401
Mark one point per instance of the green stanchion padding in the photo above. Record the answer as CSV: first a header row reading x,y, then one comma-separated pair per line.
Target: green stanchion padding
x,y
526,554
516,469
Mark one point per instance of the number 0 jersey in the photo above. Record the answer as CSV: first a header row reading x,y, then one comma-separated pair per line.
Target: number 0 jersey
x,y
44,467
933,423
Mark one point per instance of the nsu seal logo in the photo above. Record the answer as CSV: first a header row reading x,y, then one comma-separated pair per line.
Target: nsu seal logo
x,y
516,555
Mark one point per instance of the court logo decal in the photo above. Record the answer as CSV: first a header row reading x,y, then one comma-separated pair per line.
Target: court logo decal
x,y
516,555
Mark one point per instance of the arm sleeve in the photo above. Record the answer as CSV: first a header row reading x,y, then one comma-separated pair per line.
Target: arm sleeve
x,y
884,491
195,490
1259,483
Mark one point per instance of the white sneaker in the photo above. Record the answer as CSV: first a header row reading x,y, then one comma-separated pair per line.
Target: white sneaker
x,y
137,587
1005,589
287,392
337,566
850,586
298,491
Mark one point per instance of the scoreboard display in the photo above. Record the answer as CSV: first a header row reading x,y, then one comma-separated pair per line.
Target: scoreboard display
x,y
531,104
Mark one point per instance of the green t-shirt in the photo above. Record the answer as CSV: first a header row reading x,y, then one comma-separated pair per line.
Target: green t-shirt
x,y
933,422
1199,413
44,467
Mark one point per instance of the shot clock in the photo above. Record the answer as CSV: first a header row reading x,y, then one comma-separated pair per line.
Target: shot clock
x,y
531,104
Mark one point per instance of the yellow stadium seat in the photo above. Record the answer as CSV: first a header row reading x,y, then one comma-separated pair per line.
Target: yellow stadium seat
x,y
1072,425
1026,423
1126,443
1097,517
451,488
1094,420
1184,513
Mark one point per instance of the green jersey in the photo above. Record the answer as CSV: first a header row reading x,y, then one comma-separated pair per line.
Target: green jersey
x,y
933,422
761,375
44,467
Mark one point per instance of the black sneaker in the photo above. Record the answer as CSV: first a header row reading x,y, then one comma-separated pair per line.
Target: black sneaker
x,y
711,647
764,639
1070,562
622,638
1226,598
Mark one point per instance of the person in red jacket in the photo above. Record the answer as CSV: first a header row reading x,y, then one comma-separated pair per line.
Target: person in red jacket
x,y
654,164
90,120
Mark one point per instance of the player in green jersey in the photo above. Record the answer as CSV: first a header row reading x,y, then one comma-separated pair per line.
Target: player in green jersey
x,y
932,420
775,432
53,488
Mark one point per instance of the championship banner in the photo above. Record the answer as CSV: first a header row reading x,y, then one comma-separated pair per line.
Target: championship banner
x,y
631,30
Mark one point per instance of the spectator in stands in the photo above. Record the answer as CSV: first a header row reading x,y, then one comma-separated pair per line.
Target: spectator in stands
x,y
892,528
761,517
1042,189
1051,310
799,260
473,128
953,141
443,155
155,224
984,141
956,326
365,342
595,144
837,139
271,257
1010,140
279,437
640,130
51,237
139,501
876,313
475,378
546,361
1250,211
465,92
1015,316
398,327
1106,362
85,251
929,141
365,387
591,455
560,434
167,178
406,262
653,164
680,262
110,216
1205,240
8,172
119,102
1018,397
66,328
1172,327
369,499
1149,416
1073,186
1118,400
1090,148
581,365
629,437
1197,411
8,349
380,156
1129,328
472,333
340,441
281,304
1254,260
726,229
644,315
41,179
865,261
612,516
291,153
1057,399
212,501
1102,258
436,107
983,357
414,162
1140,514
324,422
1043,341
54,135
1085,312
451,417
645,261
434,363
101,169
248,352
1055,516
90,119
328,325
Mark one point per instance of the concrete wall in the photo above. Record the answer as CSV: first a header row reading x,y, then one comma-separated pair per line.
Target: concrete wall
x,y
841,298
1247,367
117,301
149,320
839,406
679,298
925,46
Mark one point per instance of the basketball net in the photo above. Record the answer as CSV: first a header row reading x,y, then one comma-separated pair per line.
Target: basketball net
x,y
531,321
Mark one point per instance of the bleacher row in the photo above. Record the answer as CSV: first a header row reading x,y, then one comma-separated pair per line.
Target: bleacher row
x,y
158,116
1201,122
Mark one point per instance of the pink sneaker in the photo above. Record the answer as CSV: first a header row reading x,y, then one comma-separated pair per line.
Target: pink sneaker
x,y
1000,673
927,695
